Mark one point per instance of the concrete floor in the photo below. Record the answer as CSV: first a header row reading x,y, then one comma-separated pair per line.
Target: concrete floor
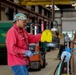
x,y
49,70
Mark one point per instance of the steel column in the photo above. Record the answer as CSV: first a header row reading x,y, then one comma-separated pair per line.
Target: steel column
x,y
0,9
53,10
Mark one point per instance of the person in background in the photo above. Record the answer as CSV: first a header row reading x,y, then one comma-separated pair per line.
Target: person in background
x,y
61,49
67,39
17,43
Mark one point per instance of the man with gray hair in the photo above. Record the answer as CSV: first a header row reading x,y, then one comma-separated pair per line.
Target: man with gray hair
x,y
17,43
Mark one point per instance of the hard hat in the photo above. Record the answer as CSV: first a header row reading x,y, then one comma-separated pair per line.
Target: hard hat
x,y
20,16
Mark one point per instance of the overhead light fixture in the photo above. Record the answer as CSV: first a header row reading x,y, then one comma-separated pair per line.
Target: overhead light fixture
x,y
55,7
47,5
74,4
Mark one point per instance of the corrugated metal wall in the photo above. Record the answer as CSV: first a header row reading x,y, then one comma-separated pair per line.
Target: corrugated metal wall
x,y
68,24
69,21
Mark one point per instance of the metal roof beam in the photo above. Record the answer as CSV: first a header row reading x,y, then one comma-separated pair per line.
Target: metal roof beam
x,y
42,2
18,7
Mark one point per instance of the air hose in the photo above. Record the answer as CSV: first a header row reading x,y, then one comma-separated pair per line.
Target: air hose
x,y
59,67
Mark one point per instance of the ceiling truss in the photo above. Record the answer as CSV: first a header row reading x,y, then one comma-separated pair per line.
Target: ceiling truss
x,y
45,2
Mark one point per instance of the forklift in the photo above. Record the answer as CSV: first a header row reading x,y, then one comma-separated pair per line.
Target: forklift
x,y
37,61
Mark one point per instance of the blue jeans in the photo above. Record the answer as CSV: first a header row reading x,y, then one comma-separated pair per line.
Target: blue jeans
x,y
20,70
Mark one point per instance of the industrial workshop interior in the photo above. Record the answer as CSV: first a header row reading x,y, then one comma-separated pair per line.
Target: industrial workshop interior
x,y
38,36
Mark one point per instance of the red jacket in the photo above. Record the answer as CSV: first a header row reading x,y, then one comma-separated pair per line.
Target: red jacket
x,y
17,42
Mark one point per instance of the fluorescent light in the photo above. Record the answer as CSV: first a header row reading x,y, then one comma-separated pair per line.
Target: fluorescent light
x,y
47,6
55,7
74,4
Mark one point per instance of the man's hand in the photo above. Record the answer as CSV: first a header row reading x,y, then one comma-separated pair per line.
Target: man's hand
x,y
28,53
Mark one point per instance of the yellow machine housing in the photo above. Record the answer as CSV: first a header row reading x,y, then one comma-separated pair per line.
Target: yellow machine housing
x,y
54,37
49,36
